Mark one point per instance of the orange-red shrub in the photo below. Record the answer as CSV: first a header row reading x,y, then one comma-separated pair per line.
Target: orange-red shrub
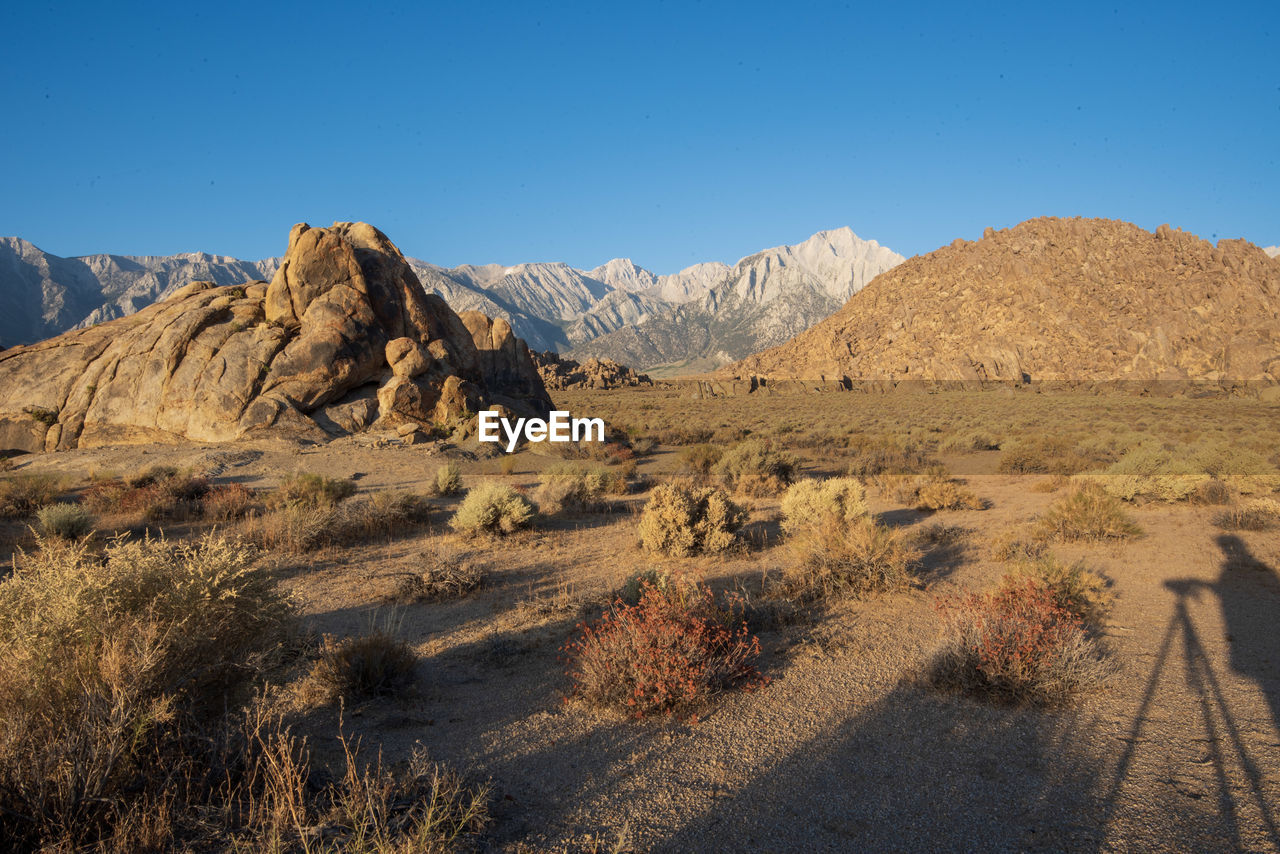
x,y
671,651
1017,643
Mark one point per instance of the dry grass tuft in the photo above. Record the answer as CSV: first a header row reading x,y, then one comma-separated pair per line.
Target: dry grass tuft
x,y
858,559
1086,513
871,456
106,662
421,807
683,520
227,502
301,527
24,494
315,491
1260,514
378,664
1009,545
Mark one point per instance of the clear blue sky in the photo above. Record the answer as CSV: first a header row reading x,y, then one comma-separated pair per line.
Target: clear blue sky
x,y
667,132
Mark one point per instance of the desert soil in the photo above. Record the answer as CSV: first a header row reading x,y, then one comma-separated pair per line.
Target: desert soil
x,y
845,748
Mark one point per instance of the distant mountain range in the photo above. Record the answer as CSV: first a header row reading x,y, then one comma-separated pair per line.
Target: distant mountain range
x,y
709,313
1273,251
765,300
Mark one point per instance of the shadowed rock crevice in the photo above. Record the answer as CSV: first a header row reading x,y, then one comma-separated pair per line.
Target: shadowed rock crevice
x,y
343,338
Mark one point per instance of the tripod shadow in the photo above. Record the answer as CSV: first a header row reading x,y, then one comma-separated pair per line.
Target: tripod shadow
x,y
1248,592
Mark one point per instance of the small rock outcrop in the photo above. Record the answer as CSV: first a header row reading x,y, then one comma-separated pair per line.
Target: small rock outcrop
x,y
1052,300
560,373
343,338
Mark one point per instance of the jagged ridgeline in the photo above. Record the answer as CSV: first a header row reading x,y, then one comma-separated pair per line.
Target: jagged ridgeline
x,y
1054,300
343,338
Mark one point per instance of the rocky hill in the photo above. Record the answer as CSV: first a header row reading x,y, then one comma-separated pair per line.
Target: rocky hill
x,y
560,373
764,300
344,337
1053,299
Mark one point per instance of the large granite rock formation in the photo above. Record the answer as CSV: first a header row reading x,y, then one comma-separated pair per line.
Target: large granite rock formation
x,y
560,373
342,338
1055,300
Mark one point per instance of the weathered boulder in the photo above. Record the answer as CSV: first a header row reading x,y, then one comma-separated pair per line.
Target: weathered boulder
x,y
561,373
343,338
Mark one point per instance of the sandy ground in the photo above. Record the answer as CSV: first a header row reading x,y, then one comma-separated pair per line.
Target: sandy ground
x,y
844,749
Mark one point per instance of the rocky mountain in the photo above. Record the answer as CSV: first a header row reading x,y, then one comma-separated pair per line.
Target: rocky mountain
x,y
550,305
343,338
1057,300
762,301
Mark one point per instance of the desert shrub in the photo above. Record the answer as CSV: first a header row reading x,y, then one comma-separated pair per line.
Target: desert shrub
x,y
1009,545
700,459
68,521
1086,513
24,494
835,501
301,527
938,535
935,490
156,494
683,520
1080,591
227,502
965,443
294,528
374,665
105,662
305,489
669,584
666,653
492,508
643,446
1212,491
507,465
1260,514
1208,472
684,435
448,480
856,559
938,493
378,514
1051,484
443,576
6,462
756,467
577,487
1051,455
870,456
1016,644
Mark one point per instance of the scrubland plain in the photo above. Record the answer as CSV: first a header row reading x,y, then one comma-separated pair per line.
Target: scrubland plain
x,y
997,620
